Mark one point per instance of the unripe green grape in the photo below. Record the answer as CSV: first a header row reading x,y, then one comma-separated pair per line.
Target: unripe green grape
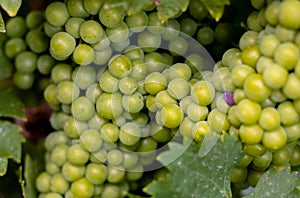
x,y
118,34
59,154
42,182
199,130
73,127
137,22
275,76
229,55
278,96
102,57
109,132
180,70
186,128
37,41
26,62
292,132
197,112
160,133
77,155
268,45
134,52
133,103
115,174
128,85
52,168
50,30
282,156
269,118
72,26
82,188
290,86
252,84
147,147
58,119
119,66
109,105
239,175
114,157
251,134
82,108
93,92
54,139
57,14
248,111
262,162
188,26
14,46
172,30
203,93
218,77
288,14
91,140
250,55
23,81
148,41
34,19
295,157
111,16
154,61
108,82
287,55
111,191
45,63
171,115
120,47
135,173
61,72
96,122
205,35
50,95
285,34
67,91
84,76
72,172
263,63
155,82
129,134
287,108
59,184
178,46
274,139
162,98
154,24
247,39
16,27
92,6
83,54
178,88
62,45
218,121
254,150
96,173
245,161
197,10
99,156
76,8
91,31
253,22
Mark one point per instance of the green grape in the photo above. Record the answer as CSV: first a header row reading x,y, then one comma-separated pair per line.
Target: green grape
x,y
14,46
76,155
111,16
239,175
263,63
295,157
57,13
72,26
137,22
139,70
252,84
23,81
109,132
218,121
26,62
59,184
253,22
53,195
135,173
34,19
16,27
129,134
91,31
120,47
118,34
171,115
287,108
82,188
154,61
287,55
290,86
96,173
281,156
42,182
203,93
178,88
186,128
76,8
37,41
154,24
147,147
109,105
248,111
91,140
268,45
50,30
73,127
55,138
99,156
250,55
275,139
72,172
155,82
133,103
288,14
45,63
103,56
103,44
162,98
114,157
50,95
134,53
269,118
96,122
92,6
275,76
59,154
111,191
172,30
285,34
205,35
119,66
197,10
188,26
251,134
128,85
52,168
83,54
240,73
82,108
262,162
58,119
84,76
247,39
196,112
108,82
62,45
178,46
115,174
199,130
93,92
148,41
61,72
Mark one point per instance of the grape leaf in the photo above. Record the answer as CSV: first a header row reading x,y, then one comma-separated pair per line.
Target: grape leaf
x,y
2,25
272,184
194,176
11,106
3,165
215,7
169,8
11,6
10,141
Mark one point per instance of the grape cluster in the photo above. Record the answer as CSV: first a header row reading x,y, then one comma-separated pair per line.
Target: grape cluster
x,y
121,88
260,85
27,47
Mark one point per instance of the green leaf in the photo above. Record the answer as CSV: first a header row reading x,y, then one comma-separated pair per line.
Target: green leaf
x,y
2,25
3,166
215,7
170,8
272,184
195,176
11,106
10,141
11,6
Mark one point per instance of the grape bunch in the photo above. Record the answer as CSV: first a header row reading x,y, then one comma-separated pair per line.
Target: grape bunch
x,y
260,85
27,48
121,88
